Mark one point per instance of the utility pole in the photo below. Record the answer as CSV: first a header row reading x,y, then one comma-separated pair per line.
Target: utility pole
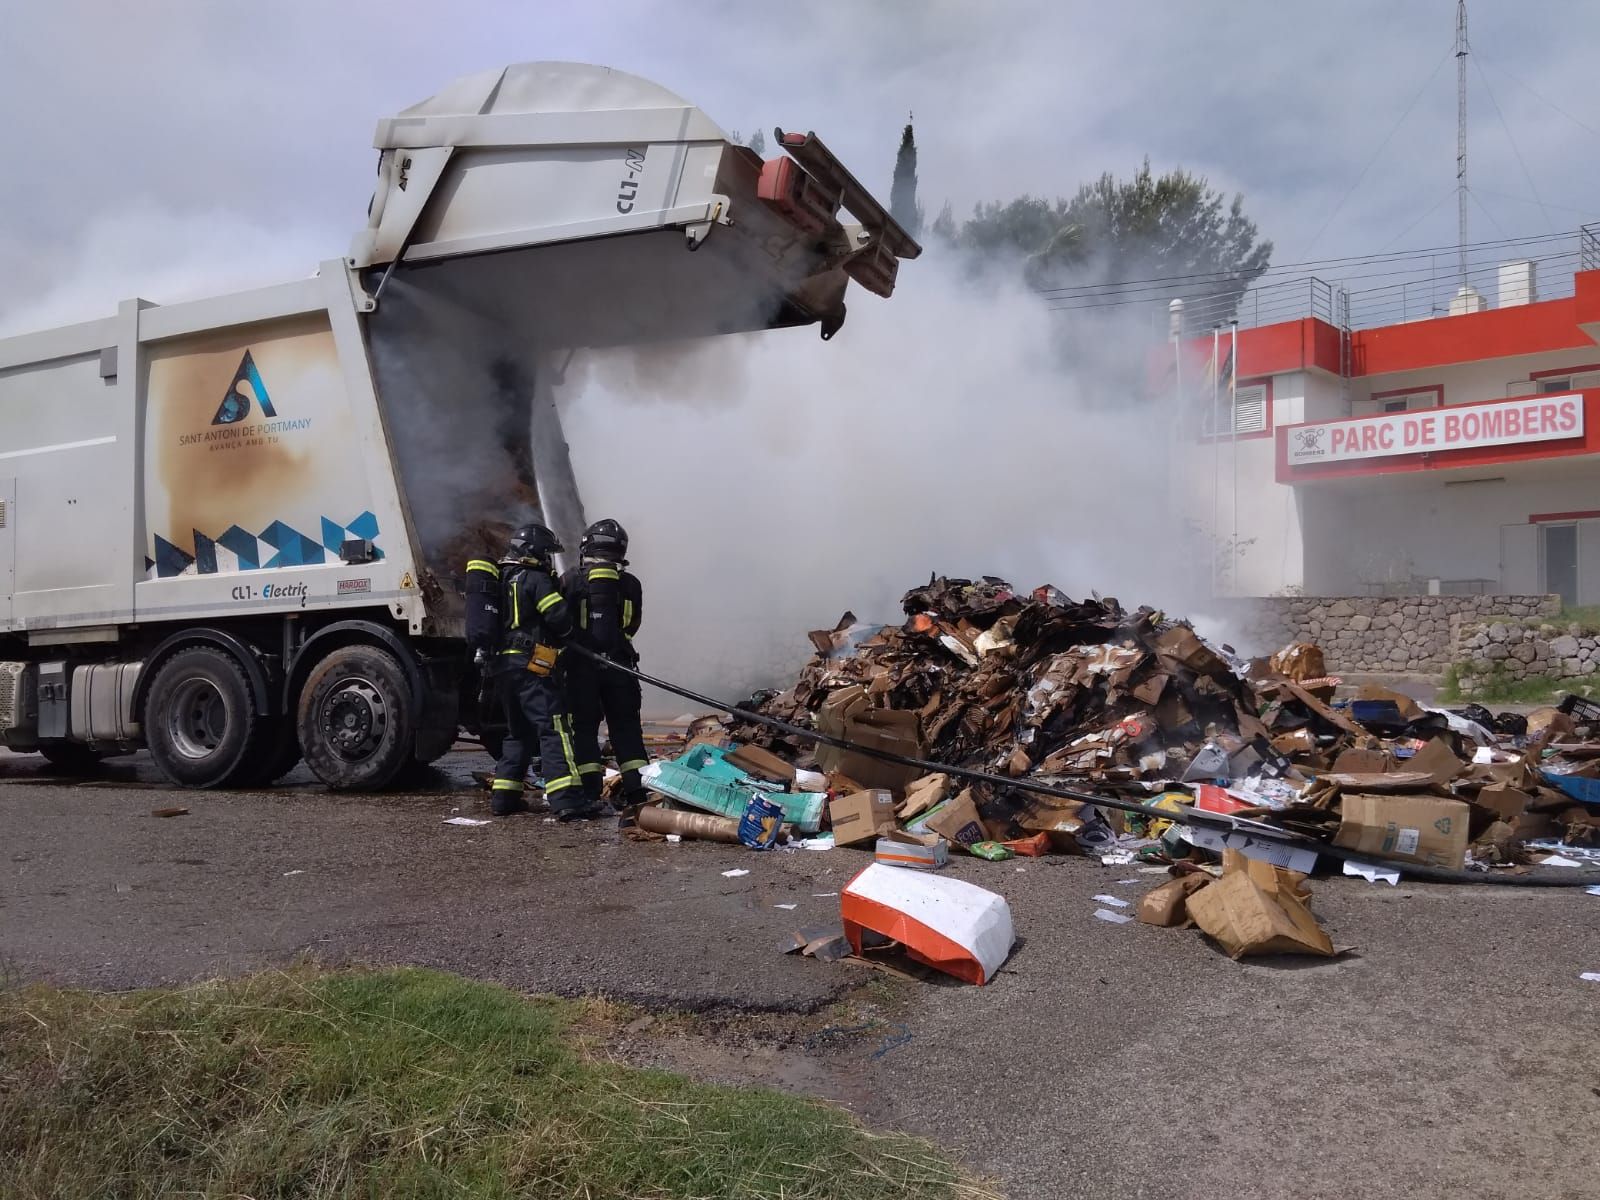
x,y
1461,137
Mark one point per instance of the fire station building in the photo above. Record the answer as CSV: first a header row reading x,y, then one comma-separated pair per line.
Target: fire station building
x,y
1453,455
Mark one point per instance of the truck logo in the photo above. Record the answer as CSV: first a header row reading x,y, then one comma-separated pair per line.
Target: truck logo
x,y
628,188
235,405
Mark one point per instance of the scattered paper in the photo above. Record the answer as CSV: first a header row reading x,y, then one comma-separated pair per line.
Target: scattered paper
x,y
1559,860
1116,918
1118,858
1152,871
1372,873
735,873
1135,880
1590,976
820,842
1483,755
822,895
674,837
286,874
464,821
786,907
1594,891
1111,900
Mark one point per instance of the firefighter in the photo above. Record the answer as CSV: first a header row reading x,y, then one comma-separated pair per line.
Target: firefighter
x,y
536,622
609,605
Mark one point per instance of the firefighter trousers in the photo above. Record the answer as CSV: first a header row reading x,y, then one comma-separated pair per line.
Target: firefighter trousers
x,y
596,695
537,723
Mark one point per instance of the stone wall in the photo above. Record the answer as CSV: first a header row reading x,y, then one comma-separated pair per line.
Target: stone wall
x,y
1398,635
1516,650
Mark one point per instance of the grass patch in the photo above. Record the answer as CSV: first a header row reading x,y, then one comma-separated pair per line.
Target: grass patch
x,y
394,1084
1496,687
1586,616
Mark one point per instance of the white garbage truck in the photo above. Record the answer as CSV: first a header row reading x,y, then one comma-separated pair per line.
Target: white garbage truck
x,y
233,530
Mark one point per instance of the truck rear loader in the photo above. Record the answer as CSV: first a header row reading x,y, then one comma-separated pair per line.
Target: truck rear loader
x,y
233,530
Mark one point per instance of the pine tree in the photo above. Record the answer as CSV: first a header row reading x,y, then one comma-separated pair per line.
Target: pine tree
x,y
903,206
758,142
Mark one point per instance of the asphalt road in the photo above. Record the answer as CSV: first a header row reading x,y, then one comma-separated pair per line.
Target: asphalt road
x,y
1453,1053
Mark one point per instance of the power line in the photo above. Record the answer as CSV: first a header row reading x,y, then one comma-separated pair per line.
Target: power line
x,y
1485,211
1155,289
1310,264
1433,209
1545,99
1591,213
1515,149
1382,146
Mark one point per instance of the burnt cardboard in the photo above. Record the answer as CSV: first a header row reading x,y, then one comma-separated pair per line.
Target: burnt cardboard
x,y
1422,829
959,822
861,817
1363,762
762,764
1408,708
848,714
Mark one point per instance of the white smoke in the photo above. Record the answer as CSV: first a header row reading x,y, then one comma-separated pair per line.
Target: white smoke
x,y
770,481
163,256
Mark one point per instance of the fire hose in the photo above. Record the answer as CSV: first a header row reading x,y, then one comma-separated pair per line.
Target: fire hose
x,y
1223,823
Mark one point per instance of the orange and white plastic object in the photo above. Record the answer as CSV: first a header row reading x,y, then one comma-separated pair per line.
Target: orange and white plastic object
x,y
952,926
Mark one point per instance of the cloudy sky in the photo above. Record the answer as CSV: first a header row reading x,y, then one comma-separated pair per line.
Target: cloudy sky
x,y
173,146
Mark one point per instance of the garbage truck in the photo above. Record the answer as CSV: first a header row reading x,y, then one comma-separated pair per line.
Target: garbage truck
x,y
234,530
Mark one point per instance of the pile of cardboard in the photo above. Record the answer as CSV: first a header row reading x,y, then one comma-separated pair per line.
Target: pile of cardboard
x,y
1038,684
1083,692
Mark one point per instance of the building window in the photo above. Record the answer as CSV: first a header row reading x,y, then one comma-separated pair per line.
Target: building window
x,y
1575,381
1397,402
1249,413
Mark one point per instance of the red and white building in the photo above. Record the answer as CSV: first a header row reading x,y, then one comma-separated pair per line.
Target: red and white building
x,y
1449,455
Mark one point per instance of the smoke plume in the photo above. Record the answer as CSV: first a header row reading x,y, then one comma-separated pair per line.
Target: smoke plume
x,y
770,481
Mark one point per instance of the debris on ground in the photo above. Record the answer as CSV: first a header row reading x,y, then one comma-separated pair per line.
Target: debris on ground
x,y
1132,706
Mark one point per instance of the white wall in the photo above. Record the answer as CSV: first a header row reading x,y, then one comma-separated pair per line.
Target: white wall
x,y
1363,531
1468,383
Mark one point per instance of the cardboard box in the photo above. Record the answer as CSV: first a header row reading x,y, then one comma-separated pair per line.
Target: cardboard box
x,y
762,764
1167,905
1438,760
1245,918
1363,762
1408,708
1422,829
959,821
925,852
859,818
849,714
1060,822
1506,803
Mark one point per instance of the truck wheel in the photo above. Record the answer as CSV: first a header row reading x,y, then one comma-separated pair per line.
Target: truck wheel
x,y
279,754
355,719
200,719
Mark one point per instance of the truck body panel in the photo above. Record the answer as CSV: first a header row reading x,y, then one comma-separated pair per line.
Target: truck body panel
x,y
298,469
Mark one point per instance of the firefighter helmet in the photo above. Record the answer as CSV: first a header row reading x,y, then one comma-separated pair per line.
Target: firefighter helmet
x,y
605,539
533,541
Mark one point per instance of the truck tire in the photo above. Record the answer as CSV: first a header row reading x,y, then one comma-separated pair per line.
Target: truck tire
x,y
279,754
201,721
355,719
